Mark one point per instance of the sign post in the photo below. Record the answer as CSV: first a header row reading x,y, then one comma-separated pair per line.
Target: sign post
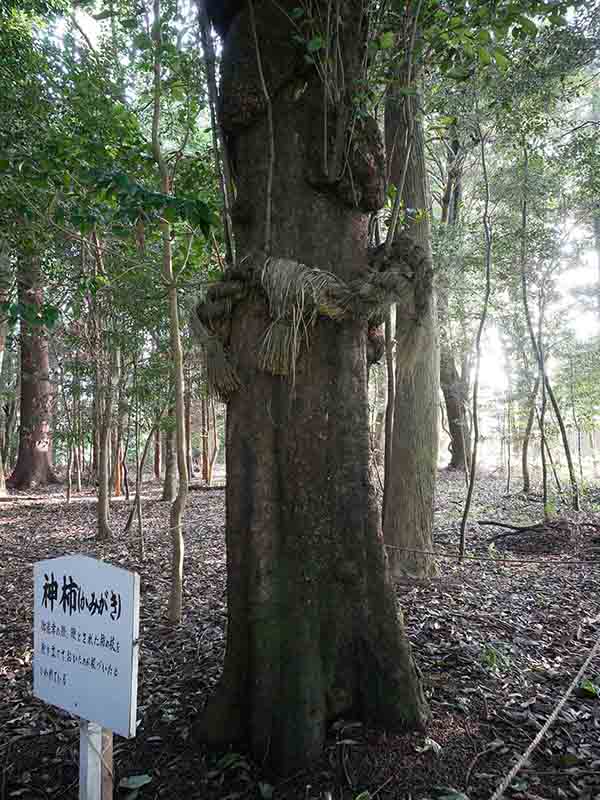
x,y
86,643
95,762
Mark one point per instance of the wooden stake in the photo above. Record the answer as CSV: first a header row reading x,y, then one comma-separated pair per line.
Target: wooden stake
x,y
95,762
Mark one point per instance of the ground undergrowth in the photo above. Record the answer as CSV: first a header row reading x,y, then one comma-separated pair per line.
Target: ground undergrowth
x,y
498,639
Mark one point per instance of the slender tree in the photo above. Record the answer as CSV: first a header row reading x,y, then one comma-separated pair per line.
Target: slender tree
x,y
5,284
166,179
527,437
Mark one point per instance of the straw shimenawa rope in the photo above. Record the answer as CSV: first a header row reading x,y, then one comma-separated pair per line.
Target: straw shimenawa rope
x,y
297,295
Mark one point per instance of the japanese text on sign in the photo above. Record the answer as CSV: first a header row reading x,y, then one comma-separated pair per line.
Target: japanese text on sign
x,y
86,622
73,598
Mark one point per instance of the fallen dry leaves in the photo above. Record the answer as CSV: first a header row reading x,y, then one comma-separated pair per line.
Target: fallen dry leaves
x,y
497,643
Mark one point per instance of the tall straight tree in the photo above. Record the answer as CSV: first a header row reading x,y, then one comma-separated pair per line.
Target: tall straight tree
x,y
408,512
34,465
313,629
176,352
5,282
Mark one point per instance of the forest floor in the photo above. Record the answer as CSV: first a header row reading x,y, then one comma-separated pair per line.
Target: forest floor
x,y
498,639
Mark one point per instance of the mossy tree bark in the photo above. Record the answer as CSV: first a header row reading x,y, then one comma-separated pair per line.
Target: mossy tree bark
x,y
408,512
34,465
313,627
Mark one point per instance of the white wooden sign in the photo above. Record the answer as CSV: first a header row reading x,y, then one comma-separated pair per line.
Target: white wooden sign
x,y
86,630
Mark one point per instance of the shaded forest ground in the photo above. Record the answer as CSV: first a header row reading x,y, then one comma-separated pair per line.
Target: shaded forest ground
x,y
497,642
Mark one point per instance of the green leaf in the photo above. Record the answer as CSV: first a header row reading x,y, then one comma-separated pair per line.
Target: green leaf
x,y
484,56
448,793
266,790
568,760
459,73
316,43
134,781
170,214
589,689
501,60
142,41
387,40
528,25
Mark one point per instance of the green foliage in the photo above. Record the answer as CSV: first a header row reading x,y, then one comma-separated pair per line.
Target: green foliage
x,y
135,783
589,689
495,659
8,8
45,314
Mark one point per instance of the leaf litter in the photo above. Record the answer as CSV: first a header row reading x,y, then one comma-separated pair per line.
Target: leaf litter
x,y
497,642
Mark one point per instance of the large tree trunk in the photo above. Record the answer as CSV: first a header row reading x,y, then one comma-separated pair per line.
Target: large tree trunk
x,y
408,513
33,467
313,629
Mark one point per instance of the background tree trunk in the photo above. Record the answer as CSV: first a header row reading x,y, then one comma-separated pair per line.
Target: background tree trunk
x,y
33,467
188,427
455,400
157,455
527,437
537,350
408,513
5,282
170,480
313,631
593,451
105,387
10,422
118,431
596,229
213,438
455,388
204,440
